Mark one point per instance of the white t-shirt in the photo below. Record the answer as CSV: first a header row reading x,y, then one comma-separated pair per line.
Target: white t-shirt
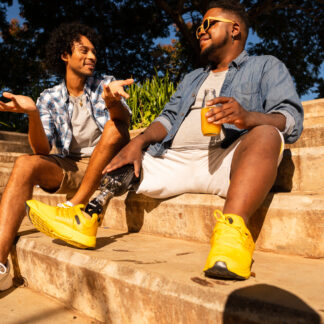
x,y
189,135
85,132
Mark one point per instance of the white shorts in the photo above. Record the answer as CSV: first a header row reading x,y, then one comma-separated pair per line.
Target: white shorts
x,y
191,171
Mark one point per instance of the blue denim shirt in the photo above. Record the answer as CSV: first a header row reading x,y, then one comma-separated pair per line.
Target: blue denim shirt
x,y
259,83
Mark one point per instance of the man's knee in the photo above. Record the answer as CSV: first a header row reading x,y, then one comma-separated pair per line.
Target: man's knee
x,y
264,136
115,132
25,163
27,166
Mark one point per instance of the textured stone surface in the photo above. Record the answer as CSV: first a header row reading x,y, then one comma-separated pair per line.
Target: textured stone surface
x,y
9,157
279,225
312,136
286,219
7,146
298,171
301,169
14,137
135,278
24,306
313,107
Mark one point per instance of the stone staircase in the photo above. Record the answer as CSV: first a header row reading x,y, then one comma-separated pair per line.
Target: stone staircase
x,y
147,267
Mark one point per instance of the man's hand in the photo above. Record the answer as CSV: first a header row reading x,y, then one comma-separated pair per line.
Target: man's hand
x,y
114,91
18,104
228,111
129,154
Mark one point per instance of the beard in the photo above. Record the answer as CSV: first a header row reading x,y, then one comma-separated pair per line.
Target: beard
x,y
207,54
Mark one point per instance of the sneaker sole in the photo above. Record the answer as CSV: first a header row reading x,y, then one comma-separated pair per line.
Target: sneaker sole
x,y
6,282
65,234
219,271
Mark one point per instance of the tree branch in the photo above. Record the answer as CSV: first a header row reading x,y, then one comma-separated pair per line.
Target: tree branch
x,y
180,23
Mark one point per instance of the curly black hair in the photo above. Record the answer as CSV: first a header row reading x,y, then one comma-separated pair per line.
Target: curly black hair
x,y
235,7
61,41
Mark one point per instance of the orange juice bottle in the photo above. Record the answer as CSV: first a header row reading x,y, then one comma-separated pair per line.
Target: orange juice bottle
x,y
208,129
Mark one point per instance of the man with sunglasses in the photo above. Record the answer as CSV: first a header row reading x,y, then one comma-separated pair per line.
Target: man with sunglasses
x,y
83,116
259,110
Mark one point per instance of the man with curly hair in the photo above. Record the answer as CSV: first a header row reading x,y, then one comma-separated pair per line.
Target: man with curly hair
x,y
83,116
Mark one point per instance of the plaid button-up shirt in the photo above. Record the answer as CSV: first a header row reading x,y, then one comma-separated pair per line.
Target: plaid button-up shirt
x,y
56,111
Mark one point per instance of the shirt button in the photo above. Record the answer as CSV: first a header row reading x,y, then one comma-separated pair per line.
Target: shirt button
x,y
193,95
182,114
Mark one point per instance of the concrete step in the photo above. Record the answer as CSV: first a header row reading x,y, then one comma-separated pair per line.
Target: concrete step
x,y
301,170
9,157
14,137
5,171
279,225
313,121
298,171
136,278
312,136
287,223
9,146
41,195
313,107
24,305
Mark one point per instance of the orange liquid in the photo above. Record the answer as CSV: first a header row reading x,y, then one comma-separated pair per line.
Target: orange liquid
x,y
208,129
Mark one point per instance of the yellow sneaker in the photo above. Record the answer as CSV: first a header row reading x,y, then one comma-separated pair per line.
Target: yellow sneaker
x,y
67,224
232,248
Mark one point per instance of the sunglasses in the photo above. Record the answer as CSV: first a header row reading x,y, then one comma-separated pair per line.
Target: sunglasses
x,y
209,22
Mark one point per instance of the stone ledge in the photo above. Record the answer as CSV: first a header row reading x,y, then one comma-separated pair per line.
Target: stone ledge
x,y
287,219
135,278
14,137
9,146
312,136
298,171
301,169
280,225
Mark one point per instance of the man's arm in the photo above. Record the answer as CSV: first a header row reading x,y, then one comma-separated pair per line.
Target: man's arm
x,y
36,134
156,132
132,152
281,105
231,112
112,95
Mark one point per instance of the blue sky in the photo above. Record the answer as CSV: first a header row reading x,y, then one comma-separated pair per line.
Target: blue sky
x,y
13,12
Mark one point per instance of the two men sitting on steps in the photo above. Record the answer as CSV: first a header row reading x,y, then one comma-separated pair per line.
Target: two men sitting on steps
x,y
258,108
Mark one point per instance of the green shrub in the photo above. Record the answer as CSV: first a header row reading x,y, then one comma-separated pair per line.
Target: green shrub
x,y
148,99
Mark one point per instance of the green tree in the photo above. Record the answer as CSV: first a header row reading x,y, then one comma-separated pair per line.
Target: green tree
x,y
291,30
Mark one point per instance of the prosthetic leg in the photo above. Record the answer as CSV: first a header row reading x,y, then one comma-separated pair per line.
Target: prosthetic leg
x,y
114,183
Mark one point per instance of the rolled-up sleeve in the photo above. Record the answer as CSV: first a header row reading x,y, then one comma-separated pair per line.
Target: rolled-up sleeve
x,y
171,109
42,105
280,96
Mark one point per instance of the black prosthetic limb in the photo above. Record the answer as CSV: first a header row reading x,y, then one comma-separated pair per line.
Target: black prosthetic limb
x,y
114,183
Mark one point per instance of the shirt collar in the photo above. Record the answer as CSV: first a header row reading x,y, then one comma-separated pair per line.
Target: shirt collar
x,y
87,85
65,93
237,62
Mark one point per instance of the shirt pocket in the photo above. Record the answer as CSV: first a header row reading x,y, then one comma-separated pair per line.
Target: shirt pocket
x,y
249,96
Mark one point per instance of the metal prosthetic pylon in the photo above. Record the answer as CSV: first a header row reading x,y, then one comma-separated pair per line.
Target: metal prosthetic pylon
x,y
114,183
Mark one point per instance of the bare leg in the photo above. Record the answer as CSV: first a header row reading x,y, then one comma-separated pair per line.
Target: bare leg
x,y
28,171
114,137
253,171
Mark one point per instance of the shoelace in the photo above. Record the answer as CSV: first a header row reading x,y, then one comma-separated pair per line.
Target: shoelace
x,y
66,204
3,268
227,229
